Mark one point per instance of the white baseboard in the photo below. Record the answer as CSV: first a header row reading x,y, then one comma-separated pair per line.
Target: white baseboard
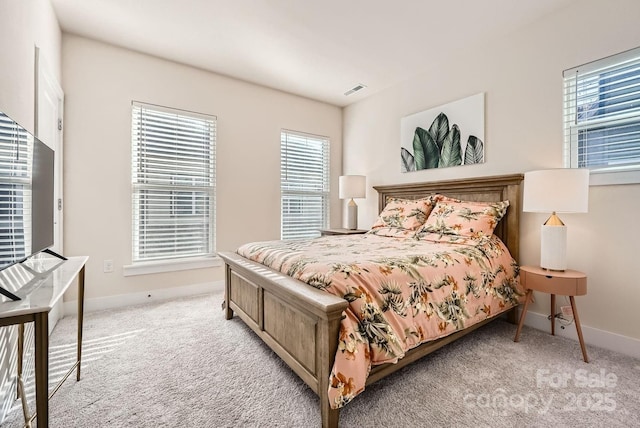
x,y
122,300
592,336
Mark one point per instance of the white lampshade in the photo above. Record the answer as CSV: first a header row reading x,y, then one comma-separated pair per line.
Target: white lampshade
x,y
551,191
562,190
352,186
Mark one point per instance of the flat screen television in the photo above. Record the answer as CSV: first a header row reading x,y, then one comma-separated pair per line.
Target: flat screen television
x,y
26,194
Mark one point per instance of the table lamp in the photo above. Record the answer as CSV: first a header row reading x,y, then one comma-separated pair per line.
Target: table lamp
x,y
562,190
352,186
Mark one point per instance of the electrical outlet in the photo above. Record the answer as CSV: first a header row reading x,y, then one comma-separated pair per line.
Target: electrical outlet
x,y
108,266
567,312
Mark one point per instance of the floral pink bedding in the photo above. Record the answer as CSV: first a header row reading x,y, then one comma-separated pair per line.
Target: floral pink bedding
x,y
401,292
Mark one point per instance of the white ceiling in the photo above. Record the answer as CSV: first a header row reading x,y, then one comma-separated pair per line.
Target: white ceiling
x,y
314,48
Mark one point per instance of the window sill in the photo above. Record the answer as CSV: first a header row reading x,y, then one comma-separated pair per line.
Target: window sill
x,y
146,268
606,178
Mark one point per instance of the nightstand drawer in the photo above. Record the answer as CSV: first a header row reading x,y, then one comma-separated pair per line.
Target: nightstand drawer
x,y
554,284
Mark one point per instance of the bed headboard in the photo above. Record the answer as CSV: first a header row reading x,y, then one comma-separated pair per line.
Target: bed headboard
x,y
480,189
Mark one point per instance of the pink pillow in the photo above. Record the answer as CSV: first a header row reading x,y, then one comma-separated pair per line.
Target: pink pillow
x,y
404,214
464,218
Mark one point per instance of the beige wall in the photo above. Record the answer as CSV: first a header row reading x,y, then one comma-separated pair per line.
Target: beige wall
x,y
25,24
100,81
521,76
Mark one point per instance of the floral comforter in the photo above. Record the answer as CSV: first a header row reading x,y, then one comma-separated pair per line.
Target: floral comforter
x,y
401,292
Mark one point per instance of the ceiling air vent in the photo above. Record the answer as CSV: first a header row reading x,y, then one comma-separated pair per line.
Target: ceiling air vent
x,y
356,88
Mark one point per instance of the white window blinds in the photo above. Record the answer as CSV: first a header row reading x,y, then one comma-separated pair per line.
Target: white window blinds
x,y
15,191
173,180
304,178
602,114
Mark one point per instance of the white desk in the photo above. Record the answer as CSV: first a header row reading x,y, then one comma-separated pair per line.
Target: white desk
x,y
38,298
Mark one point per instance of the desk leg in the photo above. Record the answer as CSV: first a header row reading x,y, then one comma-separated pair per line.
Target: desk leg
x,y
553,315
20,354
527,299
41,340
20,383
80,318
578,328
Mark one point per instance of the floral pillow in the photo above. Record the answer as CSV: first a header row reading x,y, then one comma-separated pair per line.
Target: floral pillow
x,y
402,217
455,218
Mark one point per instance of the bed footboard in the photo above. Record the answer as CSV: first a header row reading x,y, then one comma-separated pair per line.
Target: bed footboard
x,y
298,322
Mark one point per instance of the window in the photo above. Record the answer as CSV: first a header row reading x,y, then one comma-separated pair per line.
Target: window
x,y
15,191
173,180
602,118
304,184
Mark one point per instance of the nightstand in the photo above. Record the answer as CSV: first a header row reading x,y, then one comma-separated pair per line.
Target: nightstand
x,y
566,283
331,232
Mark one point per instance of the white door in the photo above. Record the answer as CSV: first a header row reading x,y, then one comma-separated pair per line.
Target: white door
x,y
48,128
49,101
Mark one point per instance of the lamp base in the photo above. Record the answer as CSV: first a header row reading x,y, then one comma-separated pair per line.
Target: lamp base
x,y
553,247
352,215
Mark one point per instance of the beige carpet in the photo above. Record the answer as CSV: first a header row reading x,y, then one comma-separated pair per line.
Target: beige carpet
x,y
180,364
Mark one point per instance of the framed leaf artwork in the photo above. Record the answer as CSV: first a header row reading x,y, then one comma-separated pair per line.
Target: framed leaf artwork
x,y
449,135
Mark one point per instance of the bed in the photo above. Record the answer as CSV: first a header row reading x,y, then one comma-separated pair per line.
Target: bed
x,y
302,324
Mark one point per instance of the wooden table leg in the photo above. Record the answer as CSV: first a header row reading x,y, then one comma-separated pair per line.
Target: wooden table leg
x,y
553,315
80,318
41,340
578,328
20,383
527,299
20,354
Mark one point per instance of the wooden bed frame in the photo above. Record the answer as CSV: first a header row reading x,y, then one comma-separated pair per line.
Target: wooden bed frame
x,y
301,323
